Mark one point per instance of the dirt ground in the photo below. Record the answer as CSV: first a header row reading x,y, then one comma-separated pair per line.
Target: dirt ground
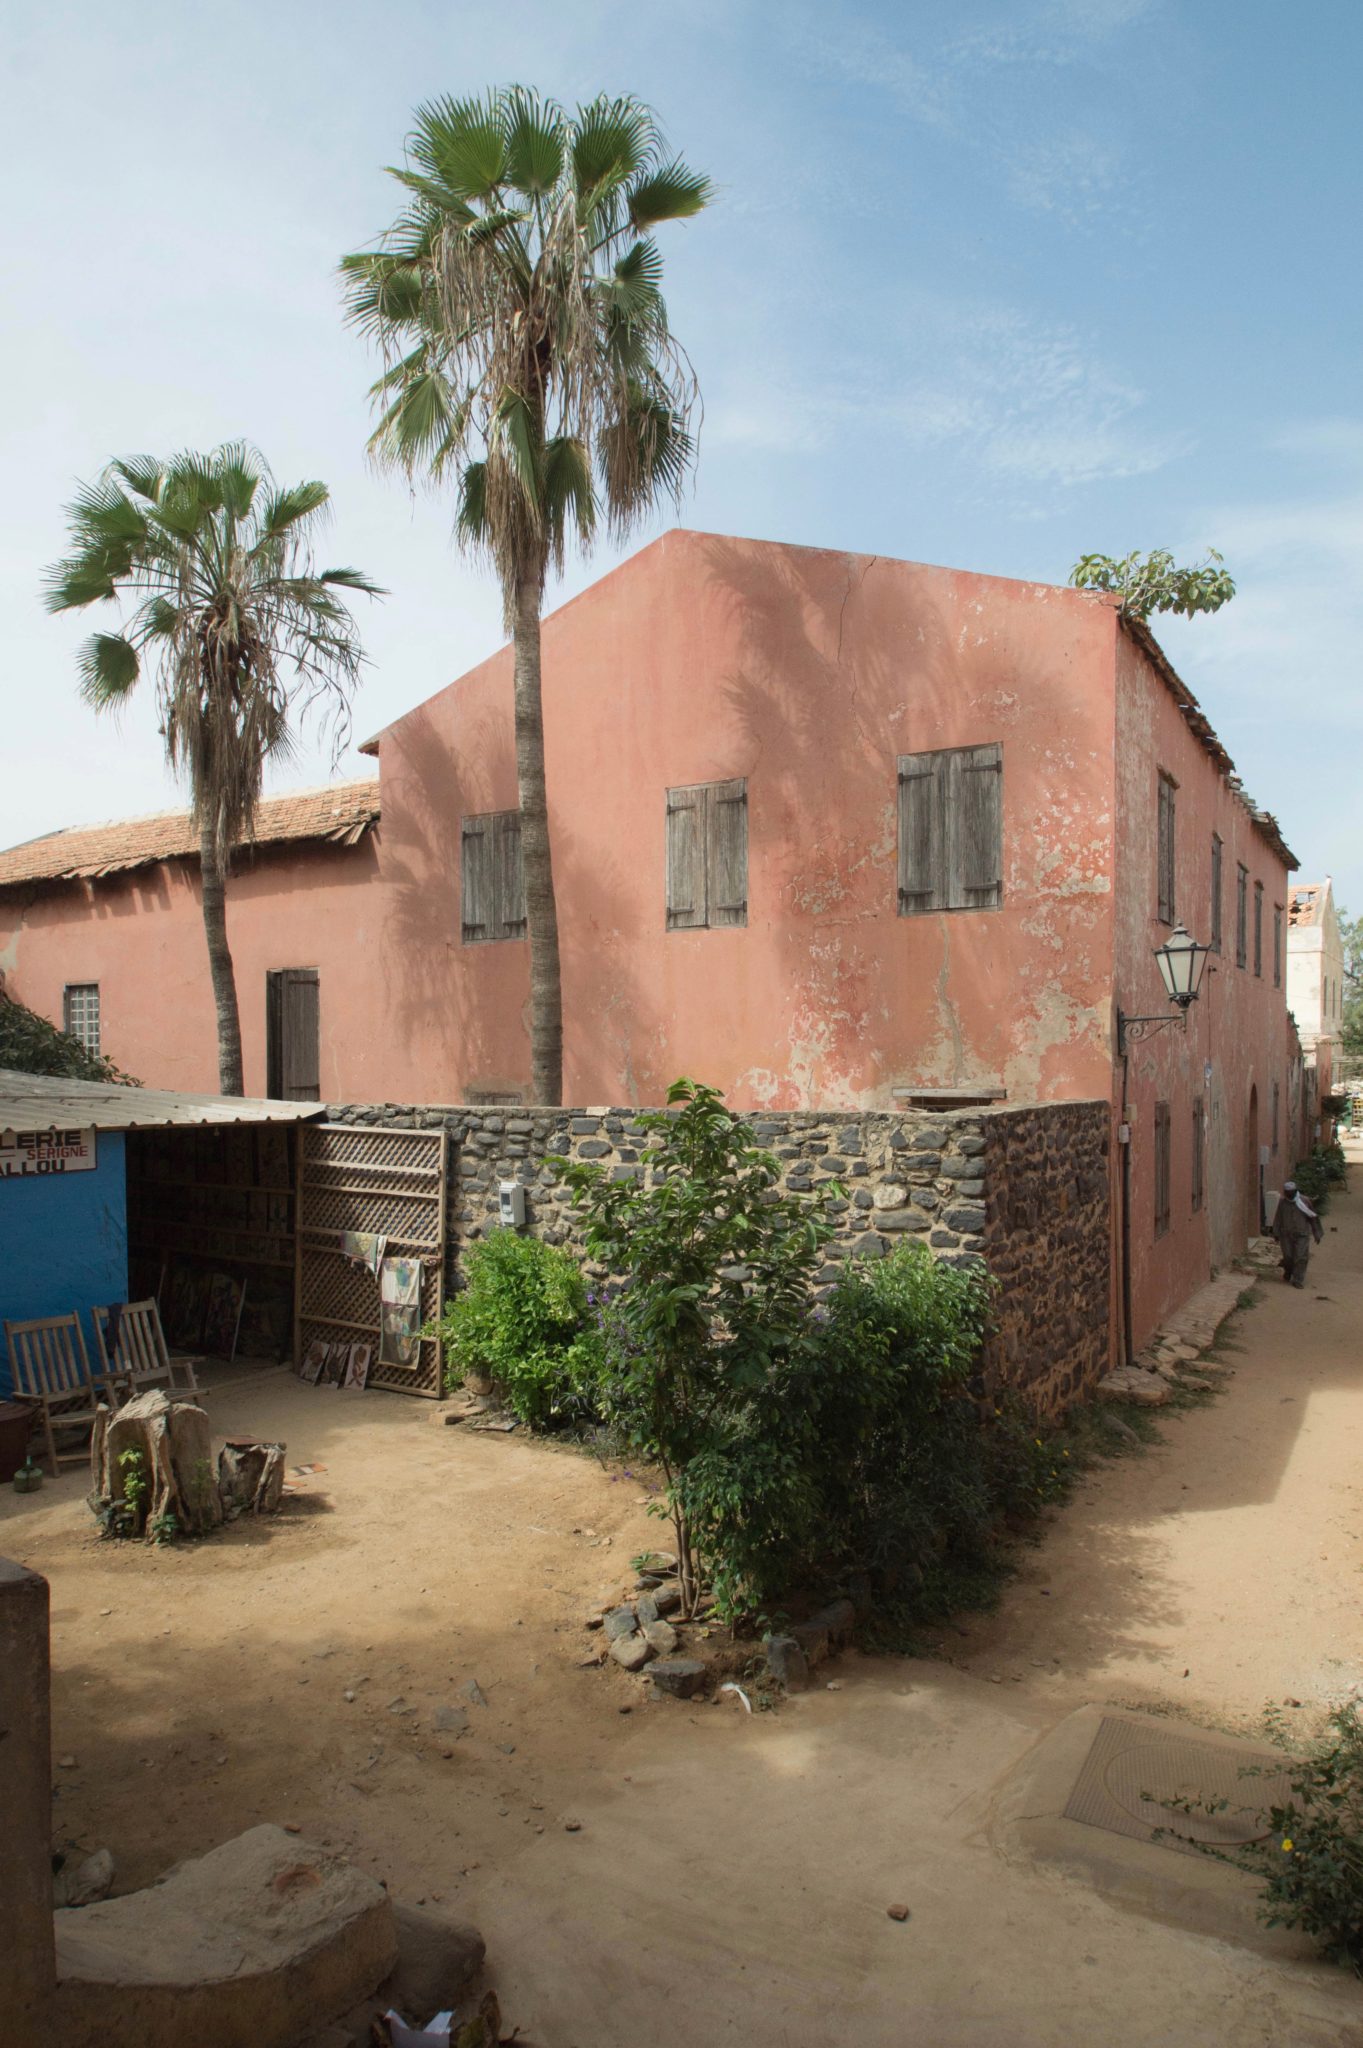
x,y
730,1876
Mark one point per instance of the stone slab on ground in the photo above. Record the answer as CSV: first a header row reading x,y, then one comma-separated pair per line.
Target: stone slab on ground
x,y
255,1945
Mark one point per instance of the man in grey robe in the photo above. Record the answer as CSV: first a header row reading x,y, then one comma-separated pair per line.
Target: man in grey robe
x,y
1296,1227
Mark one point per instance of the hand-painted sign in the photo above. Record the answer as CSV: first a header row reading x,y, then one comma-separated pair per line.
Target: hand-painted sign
x,y
24,1155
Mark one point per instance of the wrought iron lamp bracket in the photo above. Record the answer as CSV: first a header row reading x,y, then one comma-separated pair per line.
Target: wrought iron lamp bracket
x,y
1129,1029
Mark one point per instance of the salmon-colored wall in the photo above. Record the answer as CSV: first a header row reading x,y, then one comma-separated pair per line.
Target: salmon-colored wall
x,y
807,672
1236,1043
141,937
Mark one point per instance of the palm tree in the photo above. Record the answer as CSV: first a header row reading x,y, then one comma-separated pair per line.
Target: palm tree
x,y
213,562
516,301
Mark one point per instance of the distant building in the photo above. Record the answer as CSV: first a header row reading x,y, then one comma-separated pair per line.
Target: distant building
x,y
829,830
1315,982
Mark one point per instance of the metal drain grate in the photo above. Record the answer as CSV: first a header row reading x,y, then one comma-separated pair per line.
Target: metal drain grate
x,y
1133,1774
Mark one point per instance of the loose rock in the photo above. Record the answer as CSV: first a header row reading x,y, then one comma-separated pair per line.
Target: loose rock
x,y
680,1676
661,1637
633,1652
619,1622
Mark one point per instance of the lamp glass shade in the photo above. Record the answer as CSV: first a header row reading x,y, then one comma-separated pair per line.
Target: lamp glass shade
x,y
1181,961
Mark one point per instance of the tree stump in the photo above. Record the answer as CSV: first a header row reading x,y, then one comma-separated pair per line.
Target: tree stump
x,y
250,1476
151,1460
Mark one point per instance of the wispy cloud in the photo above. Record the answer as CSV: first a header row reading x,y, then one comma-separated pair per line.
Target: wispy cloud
x,y
966,86
1026,405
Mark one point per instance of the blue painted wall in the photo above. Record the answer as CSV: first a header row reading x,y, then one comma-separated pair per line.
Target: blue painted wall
x,y
64,1243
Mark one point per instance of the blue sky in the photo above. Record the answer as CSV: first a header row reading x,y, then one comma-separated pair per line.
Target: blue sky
x,y
989,285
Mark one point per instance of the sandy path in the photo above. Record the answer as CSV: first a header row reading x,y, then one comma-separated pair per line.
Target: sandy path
x,y
1223,1569
730,1878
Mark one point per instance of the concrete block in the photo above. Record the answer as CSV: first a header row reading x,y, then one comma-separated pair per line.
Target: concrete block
x,y
255,1945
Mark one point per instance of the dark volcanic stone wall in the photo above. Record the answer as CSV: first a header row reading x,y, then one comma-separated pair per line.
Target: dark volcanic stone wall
x,y
1026,1190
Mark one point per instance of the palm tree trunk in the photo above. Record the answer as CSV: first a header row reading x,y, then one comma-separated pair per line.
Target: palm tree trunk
x,y
541,911
214,893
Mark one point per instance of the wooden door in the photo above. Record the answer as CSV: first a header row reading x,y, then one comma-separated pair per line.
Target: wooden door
x,y
293,1034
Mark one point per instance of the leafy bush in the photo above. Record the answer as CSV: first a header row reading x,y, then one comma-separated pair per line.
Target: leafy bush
x,y
1312,1862
1311,1858
525,1319
1318,1174
29,1044
715,1266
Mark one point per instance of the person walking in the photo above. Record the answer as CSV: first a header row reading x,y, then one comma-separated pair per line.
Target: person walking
x,y
1296,1226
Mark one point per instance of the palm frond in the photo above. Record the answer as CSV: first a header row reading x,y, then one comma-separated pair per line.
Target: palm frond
x,y
382,291
351,579
461,144
534,143
471,518
673,193
513,431
568,493
416,422
108,666
141,473
285,509
612,140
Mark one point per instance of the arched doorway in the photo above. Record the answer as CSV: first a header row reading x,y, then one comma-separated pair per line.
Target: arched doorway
x,y
1253,1199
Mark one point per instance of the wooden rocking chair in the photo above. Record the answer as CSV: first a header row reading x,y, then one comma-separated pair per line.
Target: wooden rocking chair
x,y
50,1370
141,1355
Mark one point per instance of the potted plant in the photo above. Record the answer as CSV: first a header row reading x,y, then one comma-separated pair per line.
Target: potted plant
x,y
28,1478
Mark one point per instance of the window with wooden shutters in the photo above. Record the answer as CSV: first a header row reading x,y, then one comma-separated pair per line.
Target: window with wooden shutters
x,y
1161,1168
1258,927
1277,945
951,830
293,1034
1199,1153
1277,1106
1216,893
707,855
1241,914
1167,787
491,878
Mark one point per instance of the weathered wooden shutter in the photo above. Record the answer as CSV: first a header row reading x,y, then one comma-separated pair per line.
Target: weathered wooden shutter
x,y
921,880
1162,1175
1216,893
975,835
726,851
1166,850
293,1034
509,877
686,899
477,880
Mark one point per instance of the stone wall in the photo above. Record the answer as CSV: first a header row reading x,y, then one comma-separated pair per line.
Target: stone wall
x,y
1025,1189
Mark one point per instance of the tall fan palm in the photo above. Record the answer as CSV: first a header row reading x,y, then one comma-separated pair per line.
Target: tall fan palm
x,y
516,301
212,562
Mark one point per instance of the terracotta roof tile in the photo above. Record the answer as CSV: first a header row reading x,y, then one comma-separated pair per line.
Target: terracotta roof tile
x,y
342,812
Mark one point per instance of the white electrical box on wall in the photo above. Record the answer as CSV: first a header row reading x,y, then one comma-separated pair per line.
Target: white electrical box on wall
x,y
511,1203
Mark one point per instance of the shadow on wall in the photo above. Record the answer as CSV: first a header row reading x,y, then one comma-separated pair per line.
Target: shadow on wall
x,y
846,666
463,1011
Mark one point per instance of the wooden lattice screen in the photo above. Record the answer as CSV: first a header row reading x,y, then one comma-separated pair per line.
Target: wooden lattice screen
x,y
364,1177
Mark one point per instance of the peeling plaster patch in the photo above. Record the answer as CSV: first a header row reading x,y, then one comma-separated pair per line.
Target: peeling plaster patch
x,y
9,955
826,887
1058,1022
761,1084
830,1025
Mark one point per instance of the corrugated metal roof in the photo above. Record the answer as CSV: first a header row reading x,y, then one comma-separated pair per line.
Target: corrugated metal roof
x,y
48,1102
341,812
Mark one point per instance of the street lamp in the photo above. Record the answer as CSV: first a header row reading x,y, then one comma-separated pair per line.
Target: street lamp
x,y
1181,962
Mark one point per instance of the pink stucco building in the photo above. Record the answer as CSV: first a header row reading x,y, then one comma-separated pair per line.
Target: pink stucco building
x,y
828,830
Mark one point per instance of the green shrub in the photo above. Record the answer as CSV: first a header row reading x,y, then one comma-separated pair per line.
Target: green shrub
x,y
524,1318
29,1044
715,1267
1312,1861
1311,1858
1316,1175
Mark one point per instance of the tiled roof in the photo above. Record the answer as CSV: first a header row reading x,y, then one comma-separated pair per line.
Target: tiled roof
x,y
342,812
